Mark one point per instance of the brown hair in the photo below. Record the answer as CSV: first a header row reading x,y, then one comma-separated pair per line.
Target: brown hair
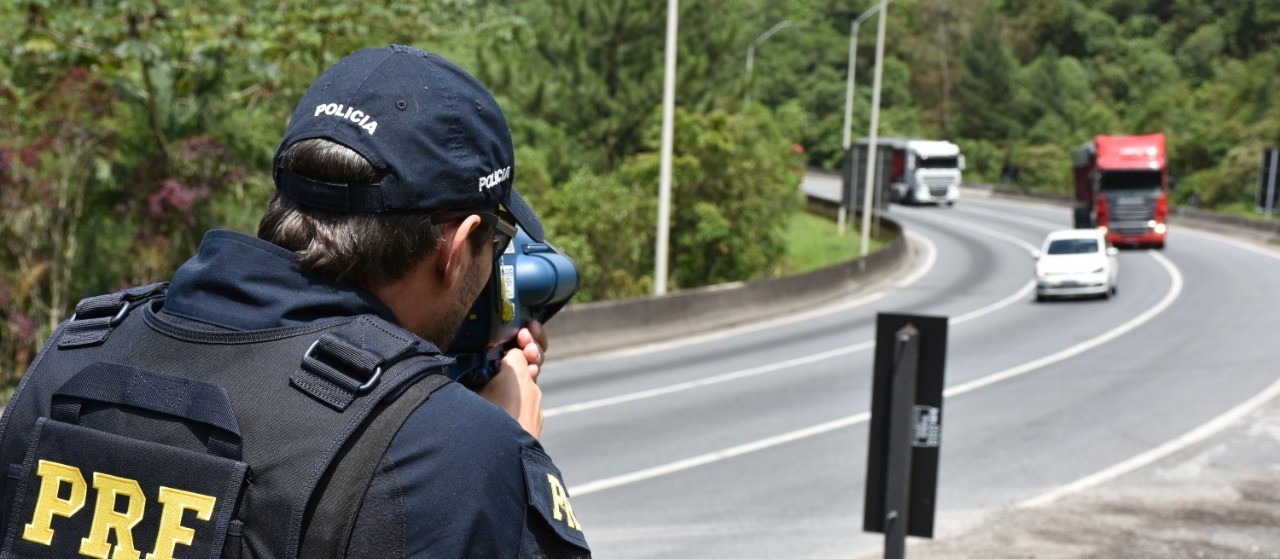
x,y
368,249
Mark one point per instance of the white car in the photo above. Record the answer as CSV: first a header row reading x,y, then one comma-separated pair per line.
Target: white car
x,y
1076,262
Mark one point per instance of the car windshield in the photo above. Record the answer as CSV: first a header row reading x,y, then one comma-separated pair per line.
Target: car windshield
x,y
1073,246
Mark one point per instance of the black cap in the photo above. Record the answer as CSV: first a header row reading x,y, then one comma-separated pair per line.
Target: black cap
x,y
433,132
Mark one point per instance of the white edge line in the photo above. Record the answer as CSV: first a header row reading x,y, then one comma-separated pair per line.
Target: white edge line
x,y
680,387
1174,291
1018,295
647,349
649,473
1191,437
990,232
1246,245
930,258
710,457
1032,221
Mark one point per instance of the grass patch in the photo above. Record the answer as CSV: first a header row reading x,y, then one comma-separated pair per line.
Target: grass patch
x,y
813,242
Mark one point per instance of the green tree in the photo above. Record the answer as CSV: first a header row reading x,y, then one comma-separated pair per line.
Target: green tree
x,y
730,198
987,94
607,225
1057,112
590,68
47,163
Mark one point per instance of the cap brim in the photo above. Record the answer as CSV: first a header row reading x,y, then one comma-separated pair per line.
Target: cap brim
x,y
525,216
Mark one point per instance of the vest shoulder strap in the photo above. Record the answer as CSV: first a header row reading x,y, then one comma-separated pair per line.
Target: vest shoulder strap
x,y
97,316
340,494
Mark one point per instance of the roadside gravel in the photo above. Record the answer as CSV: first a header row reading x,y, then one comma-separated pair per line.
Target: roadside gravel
x,y
1219,498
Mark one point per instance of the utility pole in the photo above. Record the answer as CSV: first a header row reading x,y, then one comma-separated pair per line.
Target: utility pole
x,y
664,177
875,127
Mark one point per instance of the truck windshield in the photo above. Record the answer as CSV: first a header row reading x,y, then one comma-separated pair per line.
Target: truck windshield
x,y
949,162
1073,246
1129,180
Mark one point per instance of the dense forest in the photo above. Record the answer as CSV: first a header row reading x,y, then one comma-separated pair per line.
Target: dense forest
x,y
133,126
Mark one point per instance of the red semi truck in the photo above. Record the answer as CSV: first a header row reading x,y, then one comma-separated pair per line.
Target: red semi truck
x,y
1122,186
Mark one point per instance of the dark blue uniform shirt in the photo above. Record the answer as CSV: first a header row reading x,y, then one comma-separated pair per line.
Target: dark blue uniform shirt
x,y
460,479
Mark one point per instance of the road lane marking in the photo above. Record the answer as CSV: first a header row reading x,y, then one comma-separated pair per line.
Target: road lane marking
x,y
987,231
608,483
1020,295
682,386
1189,438
1175,289
931,253
1246,245
710,457
772,367
929,258
1033,221
648,349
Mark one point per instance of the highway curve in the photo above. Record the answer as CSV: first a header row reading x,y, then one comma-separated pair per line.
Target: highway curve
x,y
752,442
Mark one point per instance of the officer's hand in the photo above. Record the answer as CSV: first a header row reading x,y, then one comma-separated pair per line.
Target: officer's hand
x,y
533,341
514,388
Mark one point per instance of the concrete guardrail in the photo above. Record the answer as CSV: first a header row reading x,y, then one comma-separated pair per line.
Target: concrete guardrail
x,y
603,325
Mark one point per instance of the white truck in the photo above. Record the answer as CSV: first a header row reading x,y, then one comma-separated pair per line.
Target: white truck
x,y
916,171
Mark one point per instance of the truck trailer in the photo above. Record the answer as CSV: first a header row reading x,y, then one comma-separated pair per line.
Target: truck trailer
x,y
1122,187
916,171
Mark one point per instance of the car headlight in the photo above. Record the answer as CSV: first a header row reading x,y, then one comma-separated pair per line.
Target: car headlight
x,y
1040,273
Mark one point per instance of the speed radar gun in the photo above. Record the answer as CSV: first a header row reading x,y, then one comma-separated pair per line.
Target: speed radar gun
x,y
531,281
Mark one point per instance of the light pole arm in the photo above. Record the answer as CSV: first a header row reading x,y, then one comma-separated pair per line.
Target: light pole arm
x,y
848,107
853,57
751,53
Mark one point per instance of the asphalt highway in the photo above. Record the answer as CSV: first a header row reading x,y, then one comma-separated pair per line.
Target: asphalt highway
x,y
752,442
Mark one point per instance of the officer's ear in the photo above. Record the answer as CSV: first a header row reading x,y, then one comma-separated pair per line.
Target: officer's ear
x,y
455,250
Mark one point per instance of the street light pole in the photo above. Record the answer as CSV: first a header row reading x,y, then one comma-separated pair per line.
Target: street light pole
x,y
843,210
664,172
751,54
875,127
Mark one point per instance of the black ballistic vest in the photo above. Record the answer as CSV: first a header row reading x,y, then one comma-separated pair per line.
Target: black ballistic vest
x,y
134,437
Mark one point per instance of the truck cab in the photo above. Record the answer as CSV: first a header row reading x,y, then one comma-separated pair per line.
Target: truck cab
x,y
931,173
1122,187
910,170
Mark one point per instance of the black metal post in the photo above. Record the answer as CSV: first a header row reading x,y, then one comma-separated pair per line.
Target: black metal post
x,y
901,435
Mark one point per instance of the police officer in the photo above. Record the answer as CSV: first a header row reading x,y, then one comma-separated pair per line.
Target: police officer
x,y
393,199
